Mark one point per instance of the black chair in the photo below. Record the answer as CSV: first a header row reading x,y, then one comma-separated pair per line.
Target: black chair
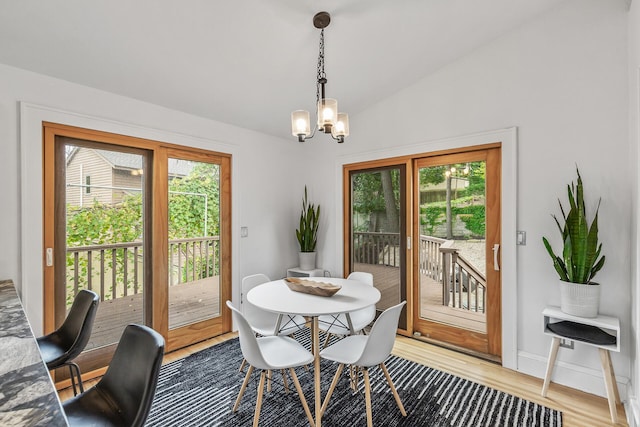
x,y
123,396
60,347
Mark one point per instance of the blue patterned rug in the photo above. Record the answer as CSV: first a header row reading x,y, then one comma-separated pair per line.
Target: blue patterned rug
x,y
201,389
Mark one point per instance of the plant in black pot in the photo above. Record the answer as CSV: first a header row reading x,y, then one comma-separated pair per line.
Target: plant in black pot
x,y
307,233
580,258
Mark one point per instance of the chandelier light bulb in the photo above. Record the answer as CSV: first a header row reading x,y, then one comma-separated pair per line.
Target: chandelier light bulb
x,y
301,125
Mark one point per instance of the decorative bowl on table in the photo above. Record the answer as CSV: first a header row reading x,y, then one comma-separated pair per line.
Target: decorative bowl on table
x,y
311,286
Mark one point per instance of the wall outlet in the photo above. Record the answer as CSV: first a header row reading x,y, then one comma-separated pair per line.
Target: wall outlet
x,y
566,343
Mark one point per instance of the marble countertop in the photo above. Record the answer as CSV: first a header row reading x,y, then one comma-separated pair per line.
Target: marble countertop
x,y
27,394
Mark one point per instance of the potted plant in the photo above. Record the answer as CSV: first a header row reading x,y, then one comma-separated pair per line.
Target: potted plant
x,y
580,258
307,233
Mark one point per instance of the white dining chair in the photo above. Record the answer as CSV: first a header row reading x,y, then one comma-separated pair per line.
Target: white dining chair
x,y
365,351
264,322
266,354
360,319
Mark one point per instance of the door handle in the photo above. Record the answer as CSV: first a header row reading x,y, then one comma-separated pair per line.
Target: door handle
x,y
496,265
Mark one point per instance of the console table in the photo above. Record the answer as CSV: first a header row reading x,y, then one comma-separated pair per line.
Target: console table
x,y
602,332
28,397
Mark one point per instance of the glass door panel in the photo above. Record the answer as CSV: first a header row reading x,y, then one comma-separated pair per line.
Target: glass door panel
x,y
378,231
104,248
194,242
452,258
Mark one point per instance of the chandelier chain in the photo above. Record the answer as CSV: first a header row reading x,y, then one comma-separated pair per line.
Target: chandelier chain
x,y
321,73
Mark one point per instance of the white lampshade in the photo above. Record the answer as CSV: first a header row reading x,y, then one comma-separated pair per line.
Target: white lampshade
x,y
327,112
300,123
341,127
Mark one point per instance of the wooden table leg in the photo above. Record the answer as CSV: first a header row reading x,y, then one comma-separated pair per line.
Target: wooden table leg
x,y
316,369
555,344
610,382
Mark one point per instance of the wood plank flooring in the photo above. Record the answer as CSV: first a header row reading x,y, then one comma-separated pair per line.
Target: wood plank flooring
x,y
579,409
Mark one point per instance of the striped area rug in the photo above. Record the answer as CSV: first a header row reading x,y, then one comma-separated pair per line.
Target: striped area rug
x,y
200,390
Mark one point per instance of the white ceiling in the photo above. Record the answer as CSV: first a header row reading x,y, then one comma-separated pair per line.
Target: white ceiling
x,y
249,62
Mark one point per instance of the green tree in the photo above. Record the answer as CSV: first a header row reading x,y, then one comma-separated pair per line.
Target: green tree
x,y
376,195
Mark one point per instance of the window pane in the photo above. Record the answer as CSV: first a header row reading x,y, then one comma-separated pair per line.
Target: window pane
x,y
452,245
194,242
376,230
104,235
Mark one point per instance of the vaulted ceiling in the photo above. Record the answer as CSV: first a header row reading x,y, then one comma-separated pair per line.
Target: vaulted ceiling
x,y
250,62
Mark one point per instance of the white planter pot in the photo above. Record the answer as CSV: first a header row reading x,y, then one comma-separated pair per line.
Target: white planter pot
x,y
580,300
307,260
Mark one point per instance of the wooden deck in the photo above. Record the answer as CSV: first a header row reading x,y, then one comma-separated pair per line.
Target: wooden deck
x,y
188,303
387,280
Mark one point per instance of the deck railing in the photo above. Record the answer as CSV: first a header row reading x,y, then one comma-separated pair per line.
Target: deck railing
x,y
377,248
115,270
463,285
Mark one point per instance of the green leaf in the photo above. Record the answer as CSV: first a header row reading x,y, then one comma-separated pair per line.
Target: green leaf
x,y
580,259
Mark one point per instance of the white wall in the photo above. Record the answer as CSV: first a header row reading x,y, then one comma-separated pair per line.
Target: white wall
x,y
634,142
258,176
562,81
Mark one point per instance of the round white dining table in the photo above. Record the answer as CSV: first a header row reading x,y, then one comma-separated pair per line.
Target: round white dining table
x,y
276,297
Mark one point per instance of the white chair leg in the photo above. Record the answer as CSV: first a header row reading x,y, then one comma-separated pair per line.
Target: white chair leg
x,y
256,415
367,395
303,400
243,388
393,389
336,377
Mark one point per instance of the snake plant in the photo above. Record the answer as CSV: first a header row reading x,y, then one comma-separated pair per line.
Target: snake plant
x,y
580,259
307,233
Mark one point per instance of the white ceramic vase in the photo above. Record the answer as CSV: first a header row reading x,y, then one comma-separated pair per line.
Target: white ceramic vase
x,y
307,260
579,299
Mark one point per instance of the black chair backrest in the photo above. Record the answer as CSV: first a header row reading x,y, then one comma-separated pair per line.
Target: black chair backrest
x,y
132,376
75,332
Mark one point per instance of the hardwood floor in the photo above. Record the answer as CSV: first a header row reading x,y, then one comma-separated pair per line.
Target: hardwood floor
x,y
579,409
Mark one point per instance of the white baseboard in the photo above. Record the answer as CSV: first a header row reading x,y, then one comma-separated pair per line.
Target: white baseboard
x,y
575,376
632,409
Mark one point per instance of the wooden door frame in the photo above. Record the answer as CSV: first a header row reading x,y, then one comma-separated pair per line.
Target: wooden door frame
x,y
155,305
488,345
186,335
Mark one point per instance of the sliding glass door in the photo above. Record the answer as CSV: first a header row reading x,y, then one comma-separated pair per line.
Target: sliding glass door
x,y
428,228
143,224
457,297
196,244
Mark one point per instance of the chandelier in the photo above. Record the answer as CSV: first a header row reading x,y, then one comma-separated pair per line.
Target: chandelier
x,y
328,119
